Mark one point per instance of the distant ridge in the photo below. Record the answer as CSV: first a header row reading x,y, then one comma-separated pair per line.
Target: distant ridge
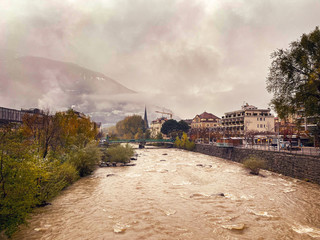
x,y
26,80
36,82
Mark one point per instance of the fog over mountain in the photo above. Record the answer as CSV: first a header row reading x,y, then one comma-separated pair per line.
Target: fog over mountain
x,y
190,56
29,82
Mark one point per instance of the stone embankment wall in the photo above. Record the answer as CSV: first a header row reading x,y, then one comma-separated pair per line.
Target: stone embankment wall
x,y
293,165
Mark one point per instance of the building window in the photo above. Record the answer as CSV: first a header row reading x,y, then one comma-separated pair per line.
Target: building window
x,y
260,125
257,119
260,119
257,125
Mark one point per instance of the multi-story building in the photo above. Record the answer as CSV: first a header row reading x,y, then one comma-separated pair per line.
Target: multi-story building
x,y
249,118
156,125
205,120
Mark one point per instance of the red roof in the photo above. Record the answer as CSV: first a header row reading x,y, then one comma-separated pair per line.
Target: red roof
x,y
206,115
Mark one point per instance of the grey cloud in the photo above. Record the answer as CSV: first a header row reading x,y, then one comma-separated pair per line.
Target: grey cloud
x,y
186,55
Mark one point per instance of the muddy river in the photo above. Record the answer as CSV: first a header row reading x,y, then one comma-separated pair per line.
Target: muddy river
x,y
175,194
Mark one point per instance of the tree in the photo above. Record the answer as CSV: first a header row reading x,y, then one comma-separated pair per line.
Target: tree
x,y
184,142
172,127
130,126
58,131
183,126
39,159
294,77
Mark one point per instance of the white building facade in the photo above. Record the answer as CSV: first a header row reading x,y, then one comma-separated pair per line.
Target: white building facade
x,y
249,118
156,125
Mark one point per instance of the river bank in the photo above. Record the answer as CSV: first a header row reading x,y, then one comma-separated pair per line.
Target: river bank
x,y
176,194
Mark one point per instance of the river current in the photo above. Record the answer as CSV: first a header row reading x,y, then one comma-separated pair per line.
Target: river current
x,y
176,194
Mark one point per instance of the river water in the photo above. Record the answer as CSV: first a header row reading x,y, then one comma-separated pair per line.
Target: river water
x,y
167,196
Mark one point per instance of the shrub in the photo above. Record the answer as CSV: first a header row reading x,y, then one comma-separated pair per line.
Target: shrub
x,y
85,159
119,153
68,173
177,142
254,164
190,146
18,192
184,143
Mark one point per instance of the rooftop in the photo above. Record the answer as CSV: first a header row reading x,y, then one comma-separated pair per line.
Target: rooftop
x,y
206,115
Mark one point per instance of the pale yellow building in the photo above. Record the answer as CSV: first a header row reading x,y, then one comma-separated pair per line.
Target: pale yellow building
x,y
205,120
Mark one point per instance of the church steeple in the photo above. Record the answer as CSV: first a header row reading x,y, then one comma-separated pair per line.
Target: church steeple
x,y
146,124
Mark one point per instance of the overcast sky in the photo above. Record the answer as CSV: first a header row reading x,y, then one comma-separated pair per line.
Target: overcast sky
x,y
185,55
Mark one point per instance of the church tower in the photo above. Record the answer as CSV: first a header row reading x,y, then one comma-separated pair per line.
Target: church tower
x,y
146,124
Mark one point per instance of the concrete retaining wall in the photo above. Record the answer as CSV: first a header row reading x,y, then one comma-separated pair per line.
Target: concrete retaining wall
x,y
297,166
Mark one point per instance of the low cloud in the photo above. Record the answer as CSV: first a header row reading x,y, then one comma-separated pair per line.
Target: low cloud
x,y
185,55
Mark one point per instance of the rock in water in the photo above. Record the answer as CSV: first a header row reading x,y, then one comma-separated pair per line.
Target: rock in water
x,y
129,164
119,228
170,212
238,227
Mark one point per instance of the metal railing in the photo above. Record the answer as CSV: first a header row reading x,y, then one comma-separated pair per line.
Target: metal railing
x,y
141,141
309,151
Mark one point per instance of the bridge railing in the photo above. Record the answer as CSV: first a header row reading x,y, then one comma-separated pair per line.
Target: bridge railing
x,y
140,141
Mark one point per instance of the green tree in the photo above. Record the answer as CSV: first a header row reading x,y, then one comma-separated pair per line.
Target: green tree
x,y
169,127
39,159
174,128
294,77
183,126
19,171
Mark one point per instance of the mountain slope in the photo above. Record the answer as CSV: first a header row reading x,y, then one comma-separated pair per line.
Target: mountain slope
x,y
39,82
33,77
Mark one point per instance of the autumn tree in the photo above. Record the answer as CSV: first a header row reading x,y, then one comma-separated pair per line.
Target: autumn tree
x,y
40,158
59,131
130,127
294,78
184,142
